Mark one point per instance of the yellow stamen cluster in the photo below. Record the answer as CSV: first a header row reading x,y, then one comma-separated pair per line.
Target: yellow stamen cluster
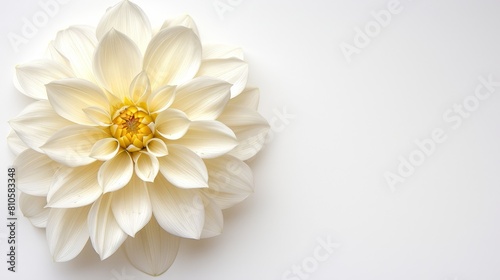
x,y
130,127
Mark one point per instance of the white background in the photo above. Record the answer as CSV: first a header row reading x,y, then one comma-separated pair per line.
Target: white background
x,y
321,173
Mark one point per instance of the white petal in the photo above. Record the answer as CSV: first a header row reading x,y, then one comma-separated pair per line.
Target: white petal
x,y
77,44
67,232
69,97
157,147
202,98
214,221
231,70
230,181
74,187
183,20
214,51
140,88
53,54
153,250
161,99
99,116
15,143
249,97
117,61
33,208
172,124
180,212
105,233
128,18
115,173
131,206
250,129
183,168
172,57
33,77
146,166
208,139
37,123
35,172
72,145
105,149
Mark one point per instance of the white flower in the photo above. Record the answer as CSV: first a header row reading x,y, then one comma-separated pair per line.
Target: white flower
x,y
136,139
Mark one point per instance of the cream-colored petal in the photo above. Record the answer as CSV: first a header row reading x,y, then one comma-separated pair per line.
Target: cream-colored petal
x,y
72,145
232,70
173,56
249,97
250,129
77,44
202,98
214,221
69,97
32,77
16,145
230,181
55,55
131,206
161,99
183,168
157,147
115,173
27,124
146,166
105,149
117,62
215,51
172,124
208,139
129,19
140,88
153,250
183,20
35,172
67,232
74,187
180,212
106,234
33,208
99,116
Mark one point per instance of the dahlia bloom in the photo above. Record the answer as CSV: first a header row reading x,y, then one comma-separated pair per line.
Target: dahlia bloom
x,y
136,138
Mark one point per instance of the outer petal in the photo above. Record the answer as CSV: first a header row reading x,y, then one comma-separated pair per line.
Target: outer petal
x,y
232,70
67,232
115,173
53,54
15,143
117,61
33,208
69,97
183,168
161,99
77,44
72,145
249,97
35,172
180,212
27,124
99,116
105,149
214,51
105,233
208,139
202,98
146,166
214,221
153,250
172,124
183,20
172,57
250,129
230,181
128,18
131,206
74,187
33,77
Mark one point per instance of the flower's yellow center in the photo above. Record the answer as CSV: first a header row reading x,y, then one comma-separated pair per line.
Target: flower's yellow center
x,y
131,126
